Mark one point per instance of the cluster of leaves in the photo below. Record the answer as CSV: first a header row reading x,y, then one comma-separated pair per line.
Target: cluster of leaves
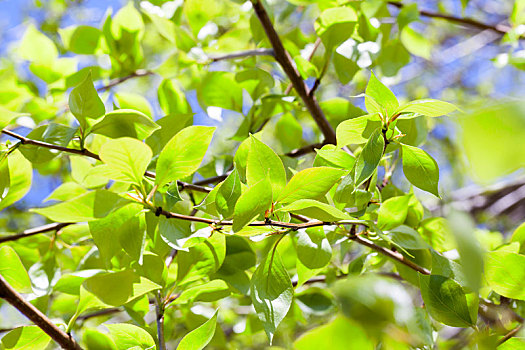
x,y
300,240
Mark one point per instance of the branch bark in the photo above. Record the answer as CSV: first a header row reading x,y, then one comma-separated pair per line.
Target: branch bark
x,y
39,319
243,54
284,59
35,231
117,81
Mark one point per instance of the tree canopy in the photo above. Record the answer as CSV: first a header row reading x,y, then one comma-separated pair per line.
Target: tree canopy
x,y
302,174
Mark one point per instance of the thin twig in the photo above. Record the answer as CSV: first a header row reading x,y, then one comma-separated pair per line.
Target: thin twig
x,y
243,54
510,334
316,46
117,81
159,313
304,150
39,319
34,231
284,59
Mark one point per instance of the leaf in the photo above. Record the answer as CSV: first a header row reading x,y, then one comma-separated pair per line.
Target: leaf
x,y
20,178
263,162
313,249
6,116
209,291
119,288
183,154
519,236
329,336
90,206
333,157
369,158
199,337
445,300
271,292
220,89
13,271
335,25
416,43
311,183
505,274
125,123
126,158
201,260
228,194
85,103
171,99
26,338
420,169
316,210
251,204
134,101
174,232
378,96
358,130
81,39
428,107
37,47
408,238
393,212
56,134
93,339
128,336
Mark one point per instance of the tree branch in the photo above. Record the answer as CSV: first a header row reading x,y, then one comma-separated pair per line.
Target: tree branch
x,y
39,319
35,231
284,59
243,54
510,334
498,28
159,313
304,150
117,81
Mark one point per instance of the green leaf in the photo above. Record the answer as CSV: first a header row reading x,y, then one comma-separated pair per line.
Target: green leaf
x,y
20,177
428,107
134,101
445,300
378,96
93,339
81,39
263,162
420,169
329,155
13,271
505,274
36,47
183,154
519,236
128,336
393,212
311,183
6,116
85,103
220,89
127,159
313,248
56,134
316,210
171,99
416,43
125,123
199,337
408,238
369,158
272,292
174,232
335,25
90,206
26,338
330,336
207,292
228,194
252,203
119,288
357,130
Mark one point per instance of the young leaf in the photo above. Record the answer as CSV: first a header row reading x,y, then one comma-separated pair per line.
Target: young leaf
x,y
85,103
445,300
251,204
37,47
313,249
128,336
25,338
420,169
378,96
311,183
20,178
369,157
393,212
183,154
127,159
125,123
13,271
263,162
207,292
228,194
56,134
505,274
428,107
335,25
356,131
199,337
333,157
272,292
316,210
6,116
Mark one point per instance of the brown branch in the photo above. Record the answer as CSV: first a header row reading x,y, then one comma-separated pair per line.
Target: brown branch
x,y
35,231
304,150
39,319
498,28
117,81
284,59
310,57
243,54
98,313
510,334
211,180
